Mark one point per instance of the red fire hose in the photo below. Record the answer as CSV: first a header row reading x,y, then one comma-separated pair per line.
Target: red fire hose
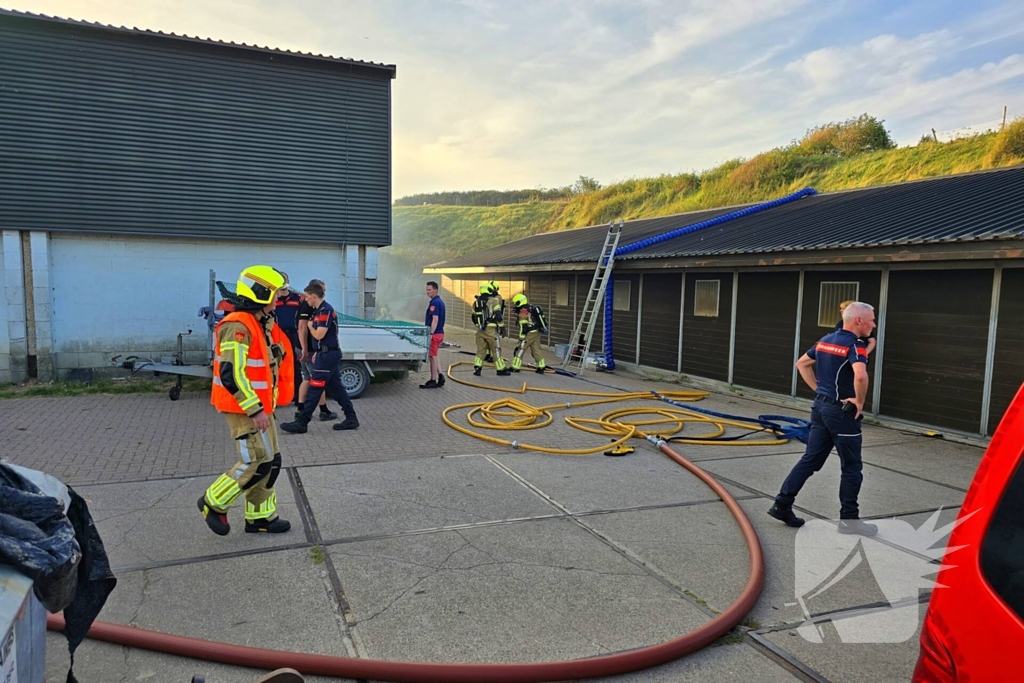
x,y
418,672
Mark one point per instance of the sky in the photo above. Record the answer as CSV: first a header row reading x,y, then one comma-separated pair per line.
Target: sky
x,y
518,94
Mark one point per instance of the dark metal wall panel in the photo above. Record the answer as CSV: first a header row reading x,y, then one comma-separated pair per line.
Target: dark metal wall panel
x,y
659,321
624,322
538,291
811,332
561,319
766,330
130,133
936,333
1008,369
706,339
582,289
455,309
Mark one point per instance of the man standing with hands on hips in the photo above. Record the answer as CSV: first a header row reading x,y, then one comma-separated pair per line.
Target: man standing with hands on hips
x,y
836,368
435,321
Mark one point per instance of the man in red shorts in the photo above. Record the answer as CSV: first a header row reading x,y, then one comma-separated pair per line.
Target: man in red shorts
x,y
435,321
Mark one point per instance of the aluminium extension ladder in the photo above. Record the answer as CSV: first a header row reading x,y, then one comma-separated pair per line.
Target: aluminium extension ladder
x,y
579,342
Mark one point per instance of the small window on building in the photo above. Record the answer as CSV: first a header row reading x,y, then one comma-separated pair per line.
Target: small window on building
x,y
561,292
705,298
623,290
833,294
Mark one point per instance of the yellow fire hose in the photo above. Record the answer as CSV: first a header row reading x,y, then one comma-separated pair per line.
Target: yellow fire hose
x,y
510,414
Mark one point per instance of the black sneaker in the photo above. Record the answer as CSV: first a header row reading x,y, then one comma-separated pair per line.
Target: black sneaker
x,y
785,514
429,384
347,423
217,521
855,526
297,427
328,416
262,526
440,381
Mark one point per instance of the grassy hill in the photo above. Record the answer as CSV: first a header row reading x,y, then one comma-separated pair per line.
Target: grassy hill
x,y
823,160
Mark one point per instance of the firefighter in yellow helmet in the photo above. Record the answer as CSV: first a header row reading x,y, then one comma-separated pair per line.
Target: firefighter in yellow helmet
x,y
532,324
489,316
252,369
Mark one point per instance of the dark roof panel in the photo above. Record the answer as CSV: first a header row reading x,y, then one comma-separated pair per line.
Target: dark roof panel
x,y
976,206
209,41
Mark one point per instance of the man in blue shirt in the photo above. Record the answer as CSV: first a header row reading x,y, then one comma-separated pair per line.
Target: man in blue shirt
x,y
325,373
836,368
435,321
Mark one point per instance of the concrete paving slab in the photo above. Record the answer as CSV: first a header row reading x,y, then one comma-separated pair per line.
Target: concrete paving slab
x,y
882,493
278,600
943,461
535,591
153,521
599,482
855,662
725,663
380,498
96,662
700,549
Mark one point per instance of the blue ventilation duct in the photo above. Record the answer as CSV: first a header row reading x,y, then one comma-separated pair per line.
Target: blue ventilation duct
x,y
672,234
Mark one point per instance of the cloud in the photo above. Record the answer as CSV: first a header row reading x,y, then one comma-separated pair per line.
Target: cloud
x,y
535,93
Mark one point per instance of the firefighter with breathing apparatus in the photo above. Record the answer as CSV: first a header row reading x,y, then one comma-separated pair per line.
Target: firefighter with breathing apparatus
x,y
532,325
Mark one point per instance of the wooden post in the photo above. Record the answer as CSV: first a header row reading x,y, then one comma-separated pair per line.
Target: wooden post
x,y
934,135
1003,124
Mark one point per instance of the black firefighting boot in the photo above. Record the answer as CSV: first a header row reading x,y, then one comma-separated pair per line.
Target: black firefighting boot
x,y
297,427
350,422
539,371
784,513
440,380
856,526
262,526
504,372
476,370
217,521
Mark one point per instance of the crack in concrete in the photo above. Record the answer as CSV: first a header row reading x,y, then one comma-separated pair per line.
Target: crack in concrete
x,y
142,512
401,500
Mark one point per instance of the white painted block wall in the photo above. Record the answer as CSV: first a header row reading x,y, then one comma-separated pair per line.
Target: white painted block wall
x,y
132,295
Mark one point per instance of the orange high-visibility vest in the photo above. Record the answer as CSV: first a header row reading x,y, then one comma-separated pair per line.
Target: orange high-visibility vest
x,y
257,368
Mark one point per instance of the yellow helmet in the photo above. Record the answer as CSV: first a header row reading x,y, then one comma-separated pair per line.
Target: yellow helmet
x,y
519,300
494,286
485,288
259,284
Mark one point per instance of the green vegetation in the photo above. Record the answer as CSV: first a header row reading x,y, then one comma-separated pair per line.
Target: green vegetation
x,y
316,554
855,153
101,386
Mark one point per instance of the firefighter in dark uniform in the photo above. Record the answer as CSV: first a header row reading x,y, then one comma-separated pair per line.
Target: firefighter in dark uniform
x,y
532,325
326,376
836,369
489,311
287,314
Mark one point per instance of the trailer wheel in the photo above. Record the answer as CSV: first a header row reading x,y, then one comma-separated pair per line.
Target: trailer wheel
x,y
355,378
174,394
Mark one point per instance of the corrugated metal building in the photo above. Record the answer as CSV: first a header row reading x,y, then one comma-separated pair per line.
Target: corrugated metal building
x,y
133,162
940,259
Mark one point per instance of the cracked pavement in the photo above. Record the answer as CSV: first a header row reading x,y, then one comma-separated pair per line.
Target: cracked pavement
x,y
448,548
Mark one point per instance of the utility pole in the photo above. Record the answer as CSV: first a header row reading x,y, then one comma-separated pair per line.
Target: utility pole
x,y
1003,124
934,135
